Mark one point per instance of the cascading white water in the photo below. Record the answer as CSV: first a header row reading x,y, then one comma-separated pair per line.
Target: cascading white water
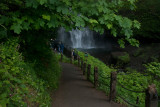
x,y
82,38
78,38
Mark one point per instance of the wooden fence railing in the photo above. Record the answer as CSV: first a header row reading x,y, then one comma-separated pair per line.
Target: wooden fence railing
x,y
151,99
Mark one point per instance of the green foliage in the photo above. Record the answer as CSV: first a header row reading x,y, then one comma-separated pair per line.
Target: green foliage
x,y
35,22
46,64
49,72
128,69
153,69
103,70
31,15
138,82
3,32
65,59
19,85
122,43
47,17
124,58
134,81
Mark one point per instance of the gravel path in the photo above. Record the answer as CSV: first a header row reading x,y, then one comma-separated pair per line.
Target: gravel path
x,y
76,91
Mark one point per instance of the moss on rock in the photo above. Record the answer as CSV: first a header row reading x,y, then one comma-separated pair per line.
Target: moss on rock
x,y
128,69
124,58
120,58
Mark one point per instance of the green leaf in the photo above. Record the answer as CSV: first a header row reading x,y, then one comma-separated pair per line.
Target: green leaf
x,y
42,23
52,23
42,1
67,2
16,27
109,26
121,43
128,32
132,1
31,3
47,17
4,20
52,1
85,18
118,17
114,33
65,11
79,22
93,21
62,9
3,32
106,17
136,24
25,25
125,23
133,42
100,9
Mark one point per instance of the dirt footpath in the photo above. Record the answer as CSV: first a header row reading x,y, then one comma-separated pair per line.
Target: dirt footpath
x,y
76,91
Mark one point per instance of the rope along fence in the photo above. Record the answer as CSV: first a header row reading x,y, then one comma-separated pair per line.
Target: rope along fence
x,y
127,101
130,89
100,75
151,99
103,83
137,101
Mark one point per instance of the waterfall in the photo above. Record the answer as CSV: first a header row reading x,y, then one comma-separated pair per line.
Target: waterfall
x,y
77,38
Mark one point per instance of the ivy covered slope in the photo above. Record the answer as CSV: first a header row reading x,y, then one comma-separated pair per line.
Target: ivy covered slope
x,y
19,84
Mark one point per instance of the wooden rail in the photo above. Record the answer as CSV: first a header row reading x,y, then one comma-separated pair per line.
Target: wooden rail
x,y
151,99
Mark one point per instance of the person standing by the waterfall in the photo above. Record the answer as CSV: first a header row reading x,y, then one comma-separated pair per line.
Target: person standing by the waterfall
x,y
74,54
61,47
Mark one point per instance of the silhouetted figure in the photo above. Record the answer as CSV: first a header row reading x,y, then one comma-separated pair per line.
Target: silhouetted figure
x,y
61,47
74,54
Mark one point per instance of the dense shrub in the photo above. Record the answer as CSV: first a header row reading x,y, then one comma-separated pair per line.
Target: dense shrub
x,y
19,84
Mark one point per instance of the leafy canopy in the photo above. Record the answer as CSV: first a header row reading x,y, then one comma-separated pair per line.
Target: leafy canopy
x,y
28,15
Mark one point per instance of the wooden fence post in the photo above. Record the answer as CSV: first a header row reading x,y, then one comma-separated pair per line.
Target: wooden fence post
x,y
151,96
113,86
95,77
81,64
84,68
78,61
61,57
77,57
72,59
88,71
